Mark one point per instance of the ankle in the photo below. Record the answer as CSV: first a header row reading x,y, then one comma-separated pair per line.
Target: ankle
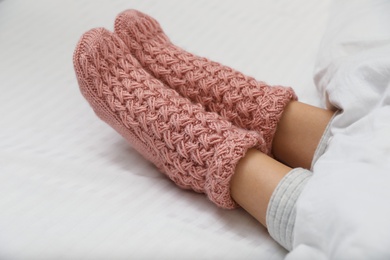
x,y
255,179
298,133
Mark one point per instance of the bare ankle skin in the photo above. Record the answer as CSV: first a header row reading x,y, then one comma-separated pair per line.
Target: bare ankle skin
x,y
257,175
298,133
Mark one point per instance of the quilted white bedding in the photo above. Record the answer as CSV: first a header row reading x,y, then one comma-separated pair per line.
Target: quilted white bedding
x,y
71,188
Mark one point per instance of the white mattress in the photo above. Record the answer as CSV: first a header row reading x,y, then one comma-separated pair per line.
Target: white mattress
x,y
71,187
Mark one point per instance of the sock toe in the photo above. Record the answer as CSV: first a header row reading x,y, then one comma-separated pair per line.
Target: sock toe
x,y
100,81
93,44
86,47
134,27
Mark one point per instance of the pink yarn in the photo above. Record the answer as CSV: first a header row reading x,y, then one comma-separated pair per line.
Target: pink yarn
x,y
240,99
197,149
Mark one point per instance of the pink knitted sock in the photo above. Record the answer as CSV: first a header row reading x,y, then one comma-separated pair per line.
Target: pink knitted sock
x,y
240,99
197,149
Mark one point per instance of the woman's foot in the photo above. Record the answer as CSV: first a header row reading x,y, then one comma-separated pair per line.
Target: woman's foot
x,y
197,149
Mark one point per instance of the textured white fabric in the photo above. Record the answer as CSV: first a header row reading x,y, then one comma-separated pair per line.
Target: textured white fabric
x,y
70,187
281,211
344,212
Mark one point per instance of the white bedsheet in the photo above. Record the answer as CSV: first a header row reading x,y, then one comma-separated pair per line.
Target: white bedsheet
x,y
344,211
70,187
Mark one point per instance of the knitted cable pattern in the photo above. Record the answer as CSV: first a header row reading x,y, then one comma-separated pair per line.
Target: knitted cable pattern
x,y
197,149
240,99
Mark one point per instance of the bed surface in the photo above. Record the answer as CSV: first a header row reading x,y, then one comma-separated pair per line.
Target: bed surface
x,y
71,187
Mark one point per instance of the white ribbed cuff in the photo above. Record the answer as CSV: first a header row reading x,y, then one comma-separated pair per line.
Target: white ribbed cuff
x,y
281,210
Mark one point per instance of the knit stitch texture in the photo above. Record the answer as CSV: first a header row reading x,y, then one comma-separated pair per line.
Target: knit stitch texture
x,y
197,149
246,102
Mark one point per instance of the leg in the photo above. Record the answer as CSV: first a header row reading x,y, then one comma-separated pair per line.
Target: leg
x,y
298,133
269,190
255,179
256,176
195,148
